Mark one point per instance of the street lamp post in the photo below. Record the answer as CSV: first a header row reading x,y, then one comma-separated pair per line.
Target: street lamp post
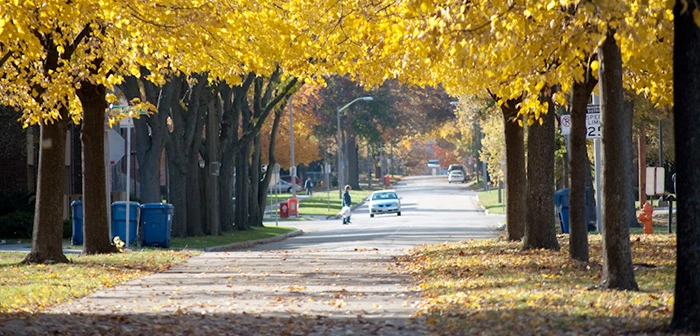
x,y
340,160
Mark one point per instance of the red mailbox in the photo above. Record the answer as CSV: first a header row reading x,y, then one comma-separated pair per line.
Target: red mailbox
x,y
293,206
387,180
284,210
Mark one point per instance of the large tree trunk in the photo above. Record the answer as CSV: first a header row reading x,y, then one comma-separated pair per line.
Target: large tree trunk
x,y
539,227
578,225
183,154
516,180
47,242
686,85
229,135
617,165
96,221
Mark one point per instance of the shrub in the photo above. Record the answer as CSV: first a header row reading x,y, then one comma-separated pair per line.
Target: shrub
x,y
17,224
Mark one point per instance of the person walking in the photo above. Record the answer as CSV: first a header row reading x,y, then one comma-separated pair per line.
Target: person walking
x,y
308,185
347,202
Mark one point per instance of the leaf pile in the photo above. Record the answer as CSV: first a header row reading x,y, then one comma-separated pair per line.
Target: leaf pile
x,y
491,287
31,288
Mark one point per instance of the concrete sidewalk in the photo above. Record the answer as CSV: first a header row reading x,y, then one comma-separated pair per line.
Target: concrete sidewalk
x,y
300,292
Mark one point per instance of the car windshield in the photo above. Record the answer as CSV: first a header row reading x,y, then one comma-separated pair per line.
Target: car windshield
x,y
384,196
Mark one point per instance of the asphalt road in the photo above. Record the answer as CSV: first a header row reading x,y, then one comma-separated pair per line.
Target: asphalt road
x,y
433,211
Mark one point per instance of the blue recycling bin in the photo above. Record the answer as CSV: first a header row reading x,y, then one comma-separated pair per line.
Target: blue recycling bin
x,y
77,214
119,220
157,223
561,203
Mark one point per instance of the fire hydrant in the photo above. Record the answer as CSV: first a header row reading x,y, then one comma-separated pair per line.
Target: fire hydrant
x,y
645,218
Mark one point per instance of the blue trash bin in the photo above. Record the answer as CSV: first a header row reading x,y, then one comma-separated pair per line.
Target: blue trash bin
x,y
119,221
77,214
157,222
561,203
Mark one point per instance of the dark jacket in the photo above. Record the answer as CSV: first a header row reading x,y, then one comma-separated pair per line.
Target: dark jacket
x,y
347,201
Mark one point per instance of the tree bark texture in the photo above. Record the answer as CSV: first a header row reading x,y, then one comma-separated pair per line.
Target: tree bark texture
x,y
256,209
618,271
516,179
578,225
182,152
213,159
47,237
539,227
47,240
686,85
95,221
242,222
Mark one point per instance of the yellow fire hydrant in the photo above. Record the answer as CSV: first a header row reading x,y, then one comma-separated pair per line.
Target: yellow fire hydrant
x,y
645,218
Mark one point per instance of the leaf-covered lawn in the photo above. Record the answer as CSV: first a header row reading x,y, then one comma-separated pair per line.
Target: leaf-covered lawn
x,y
491,287
31,288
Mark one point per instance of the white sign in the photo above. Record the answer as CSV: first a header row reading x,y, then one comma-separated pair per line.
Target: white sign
x,y
116,146
655,183
592,125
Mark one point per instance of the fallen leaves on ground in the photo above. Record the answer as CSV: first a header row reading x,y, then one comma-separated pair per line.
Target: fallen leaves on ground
x,y
32,288
491,287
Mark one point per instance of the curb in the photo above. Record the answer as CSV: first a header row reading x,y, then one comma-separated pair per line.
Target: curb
x,y
247,244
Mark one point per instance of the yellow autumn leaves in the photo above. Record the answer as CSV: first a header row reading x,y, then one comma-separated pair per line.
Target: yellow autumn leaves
x,y
469,284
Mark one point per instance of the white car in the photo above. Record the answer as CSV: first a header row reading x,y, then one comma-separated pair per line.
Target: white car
x,y
384,202
282,187
455,176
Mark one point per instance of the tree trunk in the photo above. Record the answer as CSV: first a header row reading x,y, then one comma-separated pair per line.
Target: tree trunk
x,y
96,221
194,199
539,227
516,180
262,196
242,223
151,132
226,204
617,165
686,85
353,164
183,153
257,210
642,164
178,195
578,225
213,165
47,242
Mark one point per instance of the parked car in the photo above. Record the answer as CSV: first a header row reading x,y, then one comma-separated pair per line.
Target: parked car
x,y
384,202
455,176
288,179
456,166
282,187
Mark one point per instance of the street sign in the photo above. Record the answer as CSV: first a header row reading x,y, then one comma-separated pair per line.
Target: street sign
x,y
655,183
116,146
592,125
